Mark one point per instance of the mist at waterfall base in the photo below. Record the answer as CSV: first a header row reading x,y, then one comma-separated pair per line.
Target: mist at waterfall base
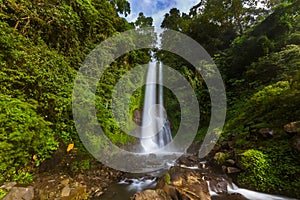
x,y
155,130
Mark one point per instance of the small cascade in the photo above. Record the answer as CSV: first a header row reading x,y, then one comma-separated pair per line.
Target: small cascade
x,y
253,195
156,132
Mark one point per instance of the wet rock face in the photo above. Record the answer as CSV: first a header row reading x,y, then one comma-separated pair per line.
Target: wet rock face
x,y
178,184
182,183
137,116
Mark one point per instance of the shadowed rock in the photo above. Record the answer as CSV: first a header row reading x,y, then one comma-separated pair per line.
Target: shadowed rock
x,y
182,183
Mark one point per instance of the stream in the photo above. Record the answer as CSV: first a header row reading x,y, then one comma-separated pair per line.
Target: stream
x,y
132,183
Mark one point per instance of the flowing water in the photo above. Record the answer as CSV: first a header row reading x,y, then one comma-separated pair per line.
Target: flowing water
x,y
127,187
155,131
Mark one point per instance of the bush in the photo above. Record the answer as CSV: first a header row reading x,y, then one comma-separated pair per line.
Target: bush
x,y
274,105
257,170
270,168
25,139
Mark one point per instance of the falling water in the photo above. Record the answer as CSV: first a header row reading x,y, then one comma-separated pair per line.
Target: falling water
x,y
156,131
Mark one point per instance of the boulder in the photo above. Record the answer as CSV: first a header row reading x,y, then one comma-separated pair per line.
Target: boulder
x,y
188,160
8,186
292,128
230,162
220,157
296,142
183,183
66,191
151,195
218,185
20,193
265,132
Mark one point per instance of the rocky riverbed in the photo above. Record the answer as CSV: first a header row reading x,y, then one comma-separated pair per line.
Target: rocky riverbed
x,y
188,178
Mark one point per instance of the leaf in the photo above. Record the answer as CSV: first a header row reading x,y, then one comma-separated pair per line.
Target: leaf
x,y
70,147
34,157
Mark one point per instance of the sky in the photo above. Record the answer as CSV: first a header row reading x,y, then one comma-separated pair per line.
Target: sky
x,y
158,8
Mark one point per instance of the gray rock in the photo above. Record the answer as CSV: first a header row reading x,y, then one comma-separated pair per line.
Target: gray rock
x,y
151,194
218,185
231,170
231,162
8,186
183,183
20,193
66,191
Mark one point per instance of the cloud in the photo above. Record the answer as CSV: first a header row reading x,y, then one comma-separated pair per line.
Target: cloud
x,y
158,8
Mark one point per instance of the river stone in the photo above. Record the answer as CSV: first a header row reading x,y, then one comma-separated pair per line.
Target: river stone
x,y
183,183
152,195
20,193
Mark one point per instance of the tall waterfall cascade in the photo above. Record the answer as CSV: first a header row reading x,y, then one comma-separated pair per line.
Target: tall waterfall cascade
x,y
155,132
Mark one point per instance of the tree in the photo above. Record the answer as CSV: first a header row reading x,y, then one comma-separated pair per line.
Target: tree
x,y
121,6
143,22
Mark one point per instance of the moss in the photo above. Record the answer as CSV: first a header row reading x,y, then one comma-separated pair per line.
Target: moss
x,y
221,157
168,178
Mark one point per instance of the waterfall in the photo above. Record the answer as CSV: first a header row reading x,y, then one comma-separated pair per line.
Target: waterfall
x,y
155,130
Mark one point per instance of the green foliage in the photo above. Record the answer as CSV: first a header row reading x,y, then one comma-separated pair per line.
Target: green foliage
x,y
34,72
23,134
121,6
70,27
84,164
271,35
257,171
41,45
257,52
282,65
221,157
2,193
143,21
263,106
270,168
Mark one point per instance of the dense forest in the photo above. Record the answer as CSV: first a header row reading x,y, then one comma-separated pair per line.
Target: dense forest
x,y
256,48
257,51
